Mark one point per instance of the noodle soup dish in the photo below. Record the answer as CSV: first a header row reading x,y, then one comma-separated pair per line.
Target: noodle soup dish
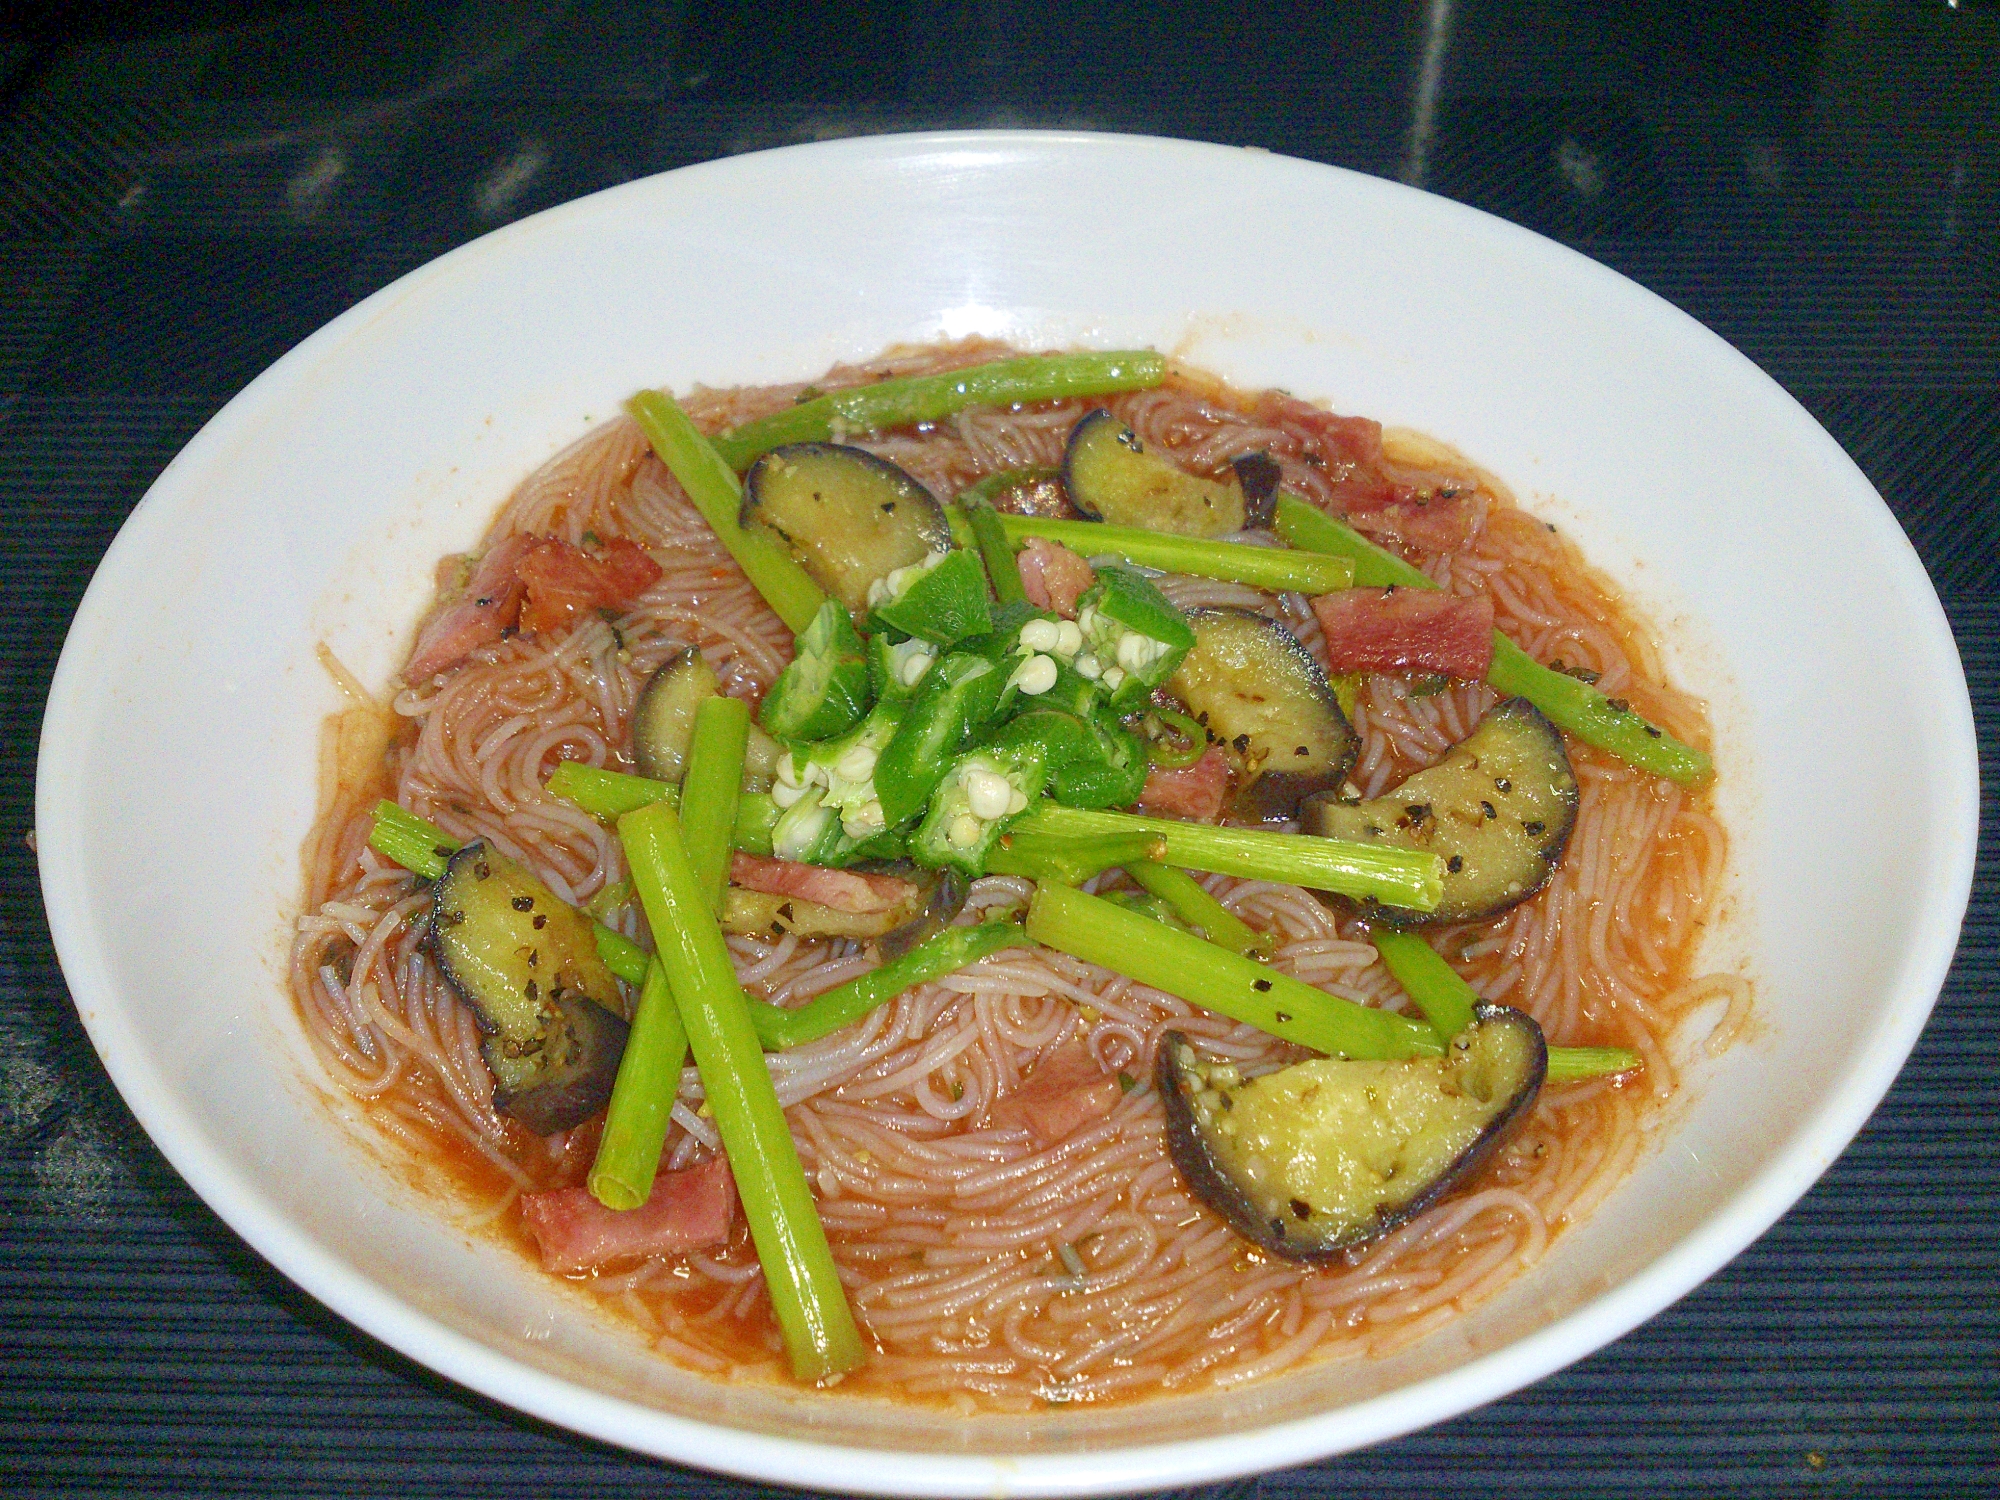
x,y
969,1152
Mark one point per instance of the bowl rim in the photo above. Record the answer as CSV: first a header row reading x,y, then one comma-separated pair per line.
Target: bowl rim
x,y
419,1336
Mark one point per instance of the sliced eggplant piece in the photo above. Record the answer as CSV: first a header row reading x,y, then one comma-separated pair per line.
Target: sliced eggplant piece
x,y
1111,477
1317,1158
749,913
527,964
850,517
1498,809
663,718
1259,693
1260,477
946,892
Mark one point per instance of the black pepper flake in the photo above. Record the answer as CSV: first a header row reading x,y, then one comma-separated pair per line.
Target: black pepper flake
x,y
531,989
1455,863
523,903
443,851
1281,1016
1619,705
1487,808
888,507
485,603
482,871
1301,1209
1418,811
541,920
1504,785
1261,986
1242,743
1651,732
1535,828
1301,750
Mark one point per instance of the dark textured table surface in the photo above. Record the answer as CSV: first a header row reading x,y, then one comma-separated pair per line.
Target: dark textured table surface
x,y
188,189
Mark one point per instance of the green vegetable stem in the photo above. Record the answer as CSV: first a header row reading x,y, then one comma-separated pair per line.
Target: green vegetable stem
x,y
711,788
799,1272
1447,1001
1396,877
642,1100
1104,933
712,485
995,551
1275,568
947,953
1193,905
926,398
1571,703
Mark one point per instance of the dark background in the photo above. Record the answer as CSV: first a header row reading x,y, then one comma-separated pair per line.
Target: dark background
x,y
188,189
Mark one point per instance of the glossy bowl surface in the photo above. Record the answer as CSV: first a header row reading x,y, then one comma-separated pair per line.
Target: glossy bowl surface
x,y
180,740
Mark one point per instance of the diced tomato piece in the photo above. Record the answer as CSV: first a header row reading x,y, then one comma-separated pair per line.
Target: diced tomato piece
x,y
1062,1093
564,582
1407,630
687,1210
1195,791
843,890
488,608
1053,576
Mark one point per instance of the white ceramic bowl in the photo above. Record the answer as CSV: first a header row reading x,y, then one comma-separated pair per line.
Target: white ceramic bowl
x,y
177,767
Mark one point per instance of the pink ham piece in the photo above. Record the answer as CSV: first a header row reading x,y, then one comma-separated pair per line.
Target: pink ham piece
x,y
1406,630
480,616
688,1210
843,890
1054,577
1432,522
565,583
1062,1093
1362,485
1197,791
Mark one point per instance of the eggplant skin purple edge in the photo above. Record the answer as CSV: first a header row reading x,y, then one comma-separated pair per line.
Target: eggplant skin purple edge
x,y
1220,1192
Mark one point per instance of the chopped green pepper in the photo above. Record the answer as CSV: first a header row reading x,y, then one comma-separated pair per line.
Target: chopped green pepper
x,y
825,688
941,599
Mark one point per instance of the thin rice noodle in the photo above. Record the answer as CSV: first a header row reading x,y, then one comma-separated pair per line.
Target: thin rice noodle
x,y
992,1273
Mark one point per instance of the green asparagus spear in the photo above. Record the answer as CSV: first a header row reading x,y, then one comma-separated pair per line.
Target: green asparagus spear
x,y
1195,906
1569,702
1274,568
1395,877
1447,1001
926,398
713,487
1099,932
799,1273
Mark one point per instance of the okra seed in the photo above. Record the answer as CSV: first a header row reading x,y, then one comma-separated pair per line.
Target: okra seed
x,y
1016,801
788,774
857,764
1132,652
1069,638
1088,667
987,793
964,831
785,793
1040,635
1114,677
1036,675
914,666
